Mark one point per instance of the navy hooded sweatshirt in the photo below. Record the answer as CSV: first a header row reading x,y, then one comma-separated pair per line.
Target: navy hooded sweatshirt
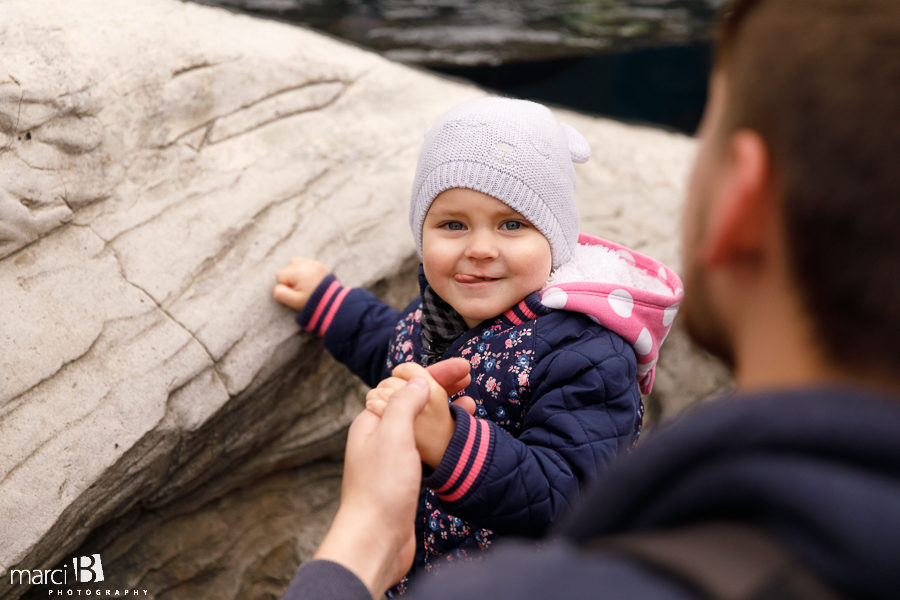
x,y
819,469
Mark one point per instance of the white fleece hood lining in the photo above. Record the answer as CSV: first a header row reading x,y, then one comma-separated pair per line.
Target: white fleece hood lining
x,y
599,264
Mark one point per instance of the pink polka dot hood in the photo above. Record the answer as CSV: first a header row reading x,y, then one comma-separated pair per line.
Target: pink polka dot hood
x,y
627,292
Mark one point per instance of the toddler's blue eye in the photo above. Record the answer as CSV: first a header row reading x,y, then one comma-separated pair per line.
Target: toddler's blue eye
x,y
454,226
511,226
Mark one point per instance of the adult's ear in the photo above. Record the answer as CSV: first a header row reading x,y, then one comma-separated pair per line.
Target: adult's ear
x,y
744,210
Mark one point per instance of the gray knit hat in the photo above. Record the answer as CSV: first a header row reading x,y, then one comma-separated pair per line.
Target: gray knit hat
x,y
513,150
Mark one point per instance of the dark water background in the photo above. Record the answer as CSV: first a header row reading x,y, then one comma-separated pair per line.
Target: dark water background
x,y
664,86
643,61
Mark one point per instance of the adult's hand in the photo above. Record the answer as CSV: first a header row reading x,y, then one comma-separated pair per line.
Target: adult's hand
x,y
434,426
373,533
446,378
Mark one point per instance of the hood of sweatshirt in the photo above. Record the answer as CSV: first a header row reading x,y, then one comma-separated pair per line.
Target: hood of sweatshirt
x,y
819,468
627,292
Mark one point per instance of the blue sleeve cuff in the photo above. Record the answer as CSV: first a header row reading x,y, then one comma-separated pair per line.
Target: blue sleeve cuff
x,y
466,459
326,299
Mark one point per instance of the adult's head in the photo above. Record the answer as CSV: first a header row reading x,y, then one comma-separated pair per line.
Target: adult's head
x,y
792,229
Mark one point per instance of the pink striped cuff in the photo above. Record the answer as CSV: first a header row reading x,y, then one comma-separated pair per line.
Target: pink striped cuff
x,y
323,305
475,469
464,461
334,308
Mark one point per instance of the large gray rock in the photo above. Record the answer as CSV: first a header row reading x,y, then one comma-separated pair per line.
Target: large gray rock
x,y
159,161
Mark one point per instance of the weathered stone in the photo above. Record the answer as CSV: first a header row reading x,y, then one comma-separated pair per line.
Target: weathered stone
x,y
159,161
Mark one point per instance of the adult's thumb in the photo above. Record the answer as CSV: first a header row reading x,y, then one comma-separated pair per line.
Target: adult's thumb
x,y
405,405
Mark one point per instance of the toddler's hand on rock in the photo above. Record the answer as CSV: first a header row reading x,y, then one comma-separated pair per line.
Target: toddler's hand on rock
x,y
297,281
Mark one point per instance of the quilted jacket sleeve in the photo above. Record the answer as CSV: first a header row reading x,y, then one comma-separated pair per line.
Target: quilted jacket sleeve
x,y
355,326
583,412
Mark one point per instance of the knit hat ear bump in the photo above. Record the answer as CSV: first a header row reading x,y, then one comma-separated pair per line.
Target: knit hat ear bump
x,y
578,145
513,150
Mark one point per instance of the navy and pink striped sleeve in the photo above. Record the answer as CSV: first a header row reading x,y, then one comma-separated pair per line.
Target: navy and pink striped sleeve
x,y
463,465
318,314
355,326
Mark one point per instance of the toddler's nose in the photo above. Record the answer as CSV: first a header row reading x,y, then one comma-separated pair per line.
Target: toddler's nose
x,y
481,245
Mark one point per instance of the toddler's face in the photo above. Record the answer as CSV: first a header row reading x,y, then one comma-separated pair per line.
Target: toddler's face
x,y
481,256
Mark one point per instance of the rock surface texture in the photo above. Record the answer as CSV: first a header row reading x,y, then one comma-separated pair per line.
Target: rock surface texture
x,y
159,161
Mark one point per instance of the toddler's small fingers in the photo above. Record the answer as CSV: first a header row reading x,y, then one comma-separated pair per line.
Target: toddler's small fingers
x,y
289,297
467,404
409,370
391,384
376,394
381,394
307,267
376,406
287,276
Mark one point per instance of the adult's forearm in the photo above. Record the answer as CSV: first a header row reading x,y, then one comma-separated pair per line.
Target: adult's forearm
x,y
362,540
354,561
326,580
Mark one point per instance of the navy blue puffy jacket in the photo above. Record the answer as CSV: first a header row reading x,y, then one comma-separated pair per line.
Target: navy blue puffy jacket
x,y
557,399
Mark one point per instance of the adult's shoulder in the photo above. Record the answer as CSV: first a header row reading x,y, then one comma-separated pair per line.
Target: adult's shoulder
x,y
521,571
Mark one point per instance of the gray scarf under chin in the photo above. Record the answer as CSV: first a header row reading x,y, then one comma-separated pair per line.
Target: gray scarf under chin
x,y
441,326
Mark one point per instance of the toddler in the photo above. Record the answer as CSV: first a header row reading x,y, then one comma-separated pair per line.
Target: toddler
x,y
561,331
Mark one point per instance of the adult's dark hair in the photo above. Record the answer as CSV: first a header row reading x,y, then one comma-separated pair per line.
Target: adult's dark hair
x,y
819,80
